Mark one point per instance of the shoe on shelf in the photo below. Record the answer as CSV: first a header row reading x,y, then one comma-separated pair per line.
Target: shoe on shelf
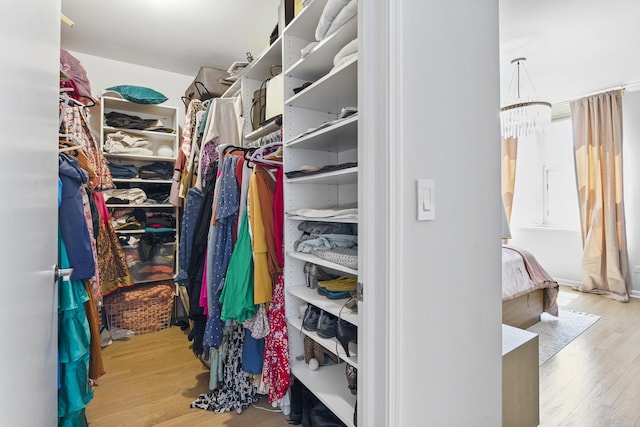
x,y
311,317
333,295
341,284
352,379
327,325
345,333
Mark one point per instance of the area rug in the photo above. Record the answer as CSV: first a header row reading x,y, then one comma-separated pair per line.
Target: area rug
x,y
556,332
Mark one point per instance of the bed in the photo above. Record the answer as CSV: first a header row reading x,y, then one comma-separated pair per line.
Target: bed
x,y
527,289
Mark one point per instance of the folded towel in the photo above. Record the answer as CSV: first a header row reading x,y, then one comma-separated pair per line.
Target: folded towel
x,y
331,10
348,49
344,16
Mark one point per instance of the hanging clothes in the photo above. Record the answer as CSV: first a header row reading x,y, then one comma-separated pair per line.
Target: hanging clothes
x,y
276,371
237,294
74,122
73,348
237,392
73,226
263,286
112,263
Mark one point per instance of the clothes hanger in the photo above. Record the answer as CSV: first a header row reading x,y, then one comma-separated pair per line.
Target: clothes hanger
x,y
77,141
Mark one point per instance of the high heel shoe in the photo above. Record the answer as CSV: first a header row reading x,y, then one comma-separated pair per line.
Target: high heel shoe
x,y
345,333
352,379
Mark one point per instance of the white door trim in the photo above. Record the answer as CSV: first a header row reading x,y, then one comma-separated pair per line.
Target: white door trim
x,y
381,201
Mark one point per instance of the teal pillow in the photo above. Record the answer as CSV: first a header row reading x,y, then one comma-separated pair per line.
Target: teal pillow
x,y
139,94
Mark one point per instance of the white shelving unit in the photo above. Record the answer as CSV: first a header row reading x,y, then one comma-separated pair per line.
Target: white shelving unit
x,y
331,90
160,142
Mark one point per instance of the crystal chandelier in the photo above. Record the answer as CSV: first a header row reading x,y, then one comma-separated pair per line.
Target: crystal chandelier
x,y
523,113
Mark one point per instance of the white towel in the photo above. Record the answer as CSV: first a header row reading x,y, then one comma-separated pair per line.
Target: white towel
x,y
344,16
331,10
348,49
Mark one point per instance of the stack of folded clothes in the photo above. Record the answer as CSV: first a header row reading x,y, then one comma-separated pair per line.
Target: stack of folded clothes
x,y
127,121
156,170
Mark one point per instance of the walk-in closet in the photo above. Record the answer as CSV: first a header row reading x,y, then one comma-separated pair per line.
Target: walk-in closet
x,y
233,231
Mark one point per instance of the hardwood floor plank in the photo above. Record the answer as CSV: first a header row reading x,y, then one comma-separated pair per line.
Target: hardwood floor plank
x,y
152,379
595,379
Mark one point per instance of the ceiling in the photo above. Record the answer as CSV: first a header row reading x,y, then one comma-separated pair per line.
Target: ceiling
x,y
177,36
573,47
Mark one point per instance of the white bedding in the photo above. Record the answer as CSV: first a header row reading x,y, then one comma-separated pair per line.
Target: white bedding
x,y
522,273
515,278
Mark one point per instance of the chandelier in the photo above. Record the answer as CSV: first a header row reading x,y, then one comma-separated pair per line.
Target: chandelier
x,y
523,113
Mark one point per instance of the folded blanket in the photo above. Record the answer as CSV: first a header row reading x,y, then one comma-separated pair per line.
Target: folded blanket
x,y
331,10
348,49
344,16
344,60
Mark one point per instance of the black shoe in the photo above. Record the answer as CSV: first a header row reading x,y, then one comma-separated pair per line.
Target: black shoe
x,y
352,379
327,325
311,317
345,333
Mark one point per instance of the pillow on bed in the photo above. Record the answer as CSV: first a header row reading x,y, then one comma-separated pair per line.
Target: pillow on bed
x,y
329,13
139,94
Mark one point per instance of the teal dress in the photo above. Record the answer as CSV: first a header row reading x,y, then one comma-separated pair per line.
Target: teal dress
x,y
73,348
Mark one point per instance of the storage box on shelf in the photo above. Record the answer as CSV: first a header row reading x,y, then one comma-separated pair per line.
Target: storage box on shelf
x,y
309,140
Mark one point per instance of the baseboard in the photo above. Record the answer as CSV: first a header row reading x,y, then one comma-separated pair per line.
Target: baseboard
x,y
572,283
567,282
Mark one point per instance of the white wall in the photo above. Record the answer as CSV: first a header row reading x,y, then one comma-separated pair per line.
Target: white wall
x,y
631,160
442,276
104,73
559,249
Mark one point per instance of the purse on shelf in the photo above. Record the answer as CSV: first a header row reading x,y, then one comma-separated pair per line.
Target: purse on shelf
x,y
208,83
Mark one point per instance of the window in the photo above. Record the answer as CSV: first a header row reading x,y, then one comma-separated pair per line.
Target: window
x,y
545,193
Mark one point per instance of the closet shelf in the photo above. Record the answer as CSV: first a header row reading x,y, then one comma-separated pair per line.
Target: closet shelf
x,y
143,158
319,62
343,176
148,133
329,384
262,131
338,137
159,279
330,344
260,67
322,262
332,306
332,92
323,219
140,205
143,181
304,24
143,231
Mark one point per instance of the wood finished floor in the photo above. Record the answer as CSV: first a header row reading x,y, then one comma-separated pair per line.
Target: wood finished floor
x,y
592,382
595,380
152,379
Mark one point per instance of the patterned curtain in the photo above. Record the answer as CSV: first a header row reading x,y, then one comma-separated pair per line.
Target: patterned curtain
x,y
597,138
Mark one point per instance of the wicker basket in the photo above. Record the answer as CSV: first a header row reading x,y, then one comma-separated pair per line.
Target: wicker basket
x,y
141,309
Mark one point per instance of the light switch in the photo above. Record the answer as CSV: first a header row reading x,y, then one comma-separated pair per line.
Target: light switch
x,y
426,199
